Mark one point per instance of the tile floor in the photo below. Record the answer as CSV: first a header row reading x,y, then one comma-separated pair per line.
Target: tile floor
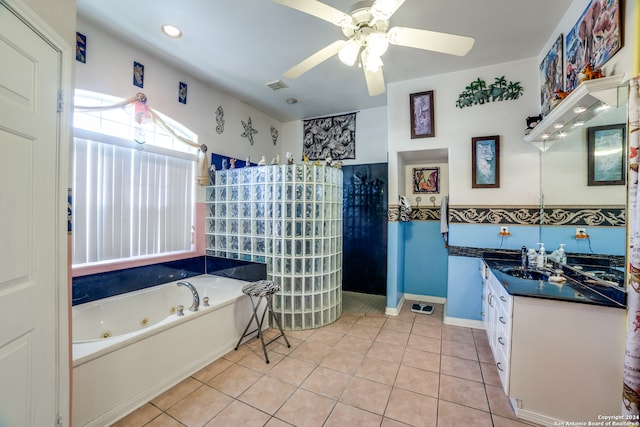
x,y
363,370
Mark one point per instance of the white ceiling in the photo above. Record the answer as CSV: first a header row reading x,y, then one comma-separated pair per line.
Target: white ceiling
x,y
241,45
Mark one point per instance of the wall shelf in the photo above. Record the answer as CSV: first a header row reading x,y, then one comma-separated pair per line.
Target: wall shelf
x,y
578,107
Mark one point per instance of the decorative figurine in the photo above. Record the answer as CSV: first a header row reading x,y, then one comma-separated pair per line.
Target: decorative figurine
x,y
247,162
327,161
289,158
305,159
224,164
263,161
233,163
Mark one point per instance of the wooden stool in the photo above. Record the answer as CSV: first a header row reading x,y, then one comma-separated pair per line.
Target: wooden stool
x,y
262,289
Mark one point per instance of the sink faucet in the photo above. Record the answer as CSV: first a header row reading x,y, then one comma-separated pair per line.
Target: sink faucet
x,y
194,292
523,258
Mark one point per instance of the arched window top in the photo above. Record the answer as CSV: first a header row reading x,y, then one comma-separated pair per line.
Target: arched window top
x,y
120,122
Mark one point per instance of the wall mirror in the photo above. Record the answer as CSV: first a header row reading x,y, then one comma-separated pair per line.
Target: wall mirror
x,y
560,189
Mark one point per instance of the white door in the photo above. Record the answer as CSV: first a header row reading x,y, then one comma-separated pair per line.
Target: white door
x,y
30,368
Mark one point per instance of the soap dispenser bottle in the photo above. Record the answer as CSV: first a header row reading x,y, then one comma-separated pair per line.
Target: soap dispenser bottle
x,y
541,256
562,255
531,257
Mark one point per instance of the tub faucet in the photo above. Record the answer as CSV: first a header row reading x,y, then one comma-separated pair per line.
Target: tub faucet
x,y
194,292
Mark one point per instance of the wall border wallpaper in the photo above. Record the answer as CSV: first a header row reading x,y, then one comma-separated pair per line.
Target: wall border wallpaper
x,y
592,216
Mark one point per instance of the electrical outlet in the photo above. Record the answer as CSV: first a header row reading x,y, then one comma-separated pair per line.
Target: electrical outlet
x,y
504,231
581,233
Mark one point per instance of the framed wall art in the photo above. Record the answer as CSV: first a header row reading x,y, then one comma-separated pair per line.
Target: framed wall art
x,y
182,92
138,74
606,150
594,39
485,162
81,48
551,75
426,180
421,105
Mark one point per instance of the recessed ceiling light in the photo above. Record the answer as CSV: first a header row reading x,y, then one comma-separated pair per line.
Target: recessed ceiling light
x,y
579,109
291,101
171,31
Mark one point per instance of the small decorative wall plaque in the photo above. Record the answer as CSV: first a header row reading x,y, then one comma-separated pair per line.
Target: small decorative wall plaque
x,y
182,93
248,130
81,48
274,135
138,74
220,119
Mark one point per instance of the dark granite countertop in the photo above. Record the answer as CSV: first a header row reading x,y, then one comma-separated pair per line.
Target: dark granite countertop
x,y
579,287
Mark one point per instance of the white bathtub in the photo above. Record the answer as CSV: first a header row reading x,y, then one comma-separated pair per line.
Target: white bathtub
x,y
149,348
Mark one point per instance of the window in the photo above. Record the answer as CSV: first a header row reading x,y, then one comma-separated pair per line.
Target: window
x,y
129,201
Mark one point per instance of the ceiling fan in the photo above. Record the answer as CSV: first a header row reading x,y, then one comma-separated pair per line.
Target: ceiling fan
x,y
368,37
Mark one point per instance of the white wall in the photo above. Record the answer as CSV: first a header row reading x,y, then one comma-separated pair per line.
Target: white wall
x,y
425,197
109,70
454,128
371,137
60,15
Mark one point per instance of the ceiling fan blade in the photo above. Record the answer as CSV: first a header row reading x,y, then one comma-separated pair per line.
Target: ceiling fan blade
x,y
319,10
375,81
383,9
314,60
451,44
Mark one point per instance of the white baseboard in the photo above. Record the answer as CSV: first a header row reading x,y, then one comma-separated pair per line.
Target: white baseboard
x,y
544,420
394,311
467,323
425,298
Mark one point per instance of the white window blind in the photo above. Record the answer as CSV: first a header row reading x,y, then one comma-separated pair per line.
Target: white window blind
x,y
129,203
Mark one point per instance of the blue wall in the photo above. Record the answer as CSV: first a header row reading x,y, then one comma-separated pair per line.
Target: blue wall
x,y
425,259
464,286
395,263
602,240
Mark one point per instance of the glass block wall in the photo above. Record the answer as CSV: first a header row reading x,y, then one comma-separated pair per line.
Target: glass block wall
x,y
289,217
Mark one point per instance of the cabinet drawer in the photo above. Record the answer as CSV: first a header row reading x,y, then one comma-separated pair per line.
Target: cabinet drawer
x,y
503,366
504,301
503,339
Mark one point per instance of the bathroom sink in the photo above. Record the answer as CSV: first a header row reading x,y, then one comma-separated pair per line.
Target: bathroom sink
x,y
528,274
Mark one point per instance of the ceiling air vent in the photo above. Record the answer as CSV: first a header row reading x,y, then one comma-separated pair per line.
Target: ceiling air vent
x,y
278,84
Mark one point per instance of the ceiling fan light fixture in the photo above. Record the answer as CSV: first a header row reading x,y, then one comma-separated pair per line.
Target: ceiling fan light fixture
x,y
349,52
377,44
371,62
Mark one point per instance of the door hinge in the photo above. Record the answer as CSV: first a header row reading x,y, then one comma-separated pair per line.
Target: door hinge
x,y
60,100
59,420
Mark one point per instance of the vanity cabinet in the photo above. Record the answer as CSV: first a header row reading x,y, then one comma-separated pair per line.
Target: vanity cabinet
x,y
557,360
497,311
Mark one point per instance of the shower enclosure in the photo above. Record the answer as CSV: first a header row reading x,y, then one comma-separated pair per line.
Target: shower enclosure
x,y
289,217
